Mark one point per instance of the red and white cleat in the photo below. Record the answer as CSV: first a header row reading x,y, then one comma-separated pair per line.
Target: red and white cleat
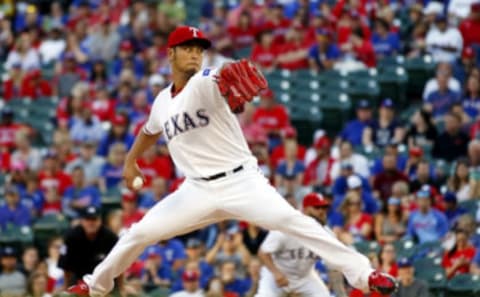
x,y
80,289
382,283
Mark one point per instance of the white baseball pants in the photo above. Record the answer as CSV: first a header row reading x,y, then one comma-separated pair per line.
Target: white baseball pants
x,y
309,286
245,195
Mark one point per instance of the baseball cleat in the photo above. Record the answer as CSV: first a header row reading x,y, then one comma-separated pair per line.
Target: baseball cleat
x,y
80,289
382,283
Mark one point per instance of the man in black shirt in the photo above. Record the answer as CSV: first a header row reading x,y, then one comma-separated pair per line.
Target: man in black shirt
x,y
85,246
451,144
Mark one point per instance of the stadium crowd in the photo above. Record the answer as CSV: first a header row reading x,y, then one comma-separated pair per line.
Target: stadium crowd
x,y
107,61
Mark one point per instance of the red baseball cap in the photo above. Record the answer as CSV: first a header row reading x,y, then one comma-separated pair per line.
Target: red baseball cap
x,y
289,132
129,197
468,53
126,45
322,143
416,151
267,94
314,199
189,276
184,34
119,120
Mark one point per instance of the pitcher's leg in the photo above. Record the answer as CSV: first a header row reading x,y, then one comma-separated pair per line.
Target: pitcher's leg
x,y
253,199
267,286
182,211
313,286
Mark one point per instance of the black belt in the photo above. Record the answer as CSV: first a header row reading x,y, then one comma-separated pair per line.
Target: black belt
x,y
222,174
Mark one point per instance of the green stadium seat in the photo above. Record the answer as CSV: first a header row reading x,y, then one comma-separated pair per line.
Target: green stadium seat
x,y
47,227
111,200
367,247
434,276
464,285
419,70
405,248
471,206
336,110
243,52
393,84
16,236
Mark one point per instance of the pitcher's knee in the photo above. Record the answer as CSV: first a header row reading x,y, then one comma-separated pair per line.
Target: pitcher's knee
x,y
141,236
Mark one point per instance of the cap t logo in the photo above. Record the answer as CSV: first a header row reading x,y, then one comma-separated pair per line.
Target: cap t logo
x,y
194,31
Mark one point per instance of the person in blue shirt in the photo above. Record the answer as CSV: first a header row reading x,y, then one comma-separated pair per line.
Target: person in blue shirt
x,y
384,42
452,210
471,101
390,149
155,272
324,53
79,195
112,170
12,212
157,192
340,185
369,204
231,282
172,252
440,101
353,130
426,224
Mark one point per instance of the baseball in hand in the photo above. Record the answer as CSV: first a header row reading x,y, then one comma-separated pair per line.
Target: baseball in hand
x,y
137,183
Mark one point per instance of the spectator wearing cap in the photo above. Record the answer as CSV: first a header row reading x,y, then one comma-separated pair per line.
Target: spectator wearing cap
x,y
118,132
131,213
13,84
79,195
471,25
52,47
13,213
357,225
24,53
126,56
154,194
453,142
385,42
464,66
12,281
353,130
190,280
156,83
288,136
440,101
422,131
415,158
385,129
358,185
444,70
457,260
383,181
264,50
340,185
426,224
358,161
452,210
104,40
390,225
140,107
51,174
323,54
86,245
230,279
317,172
471,99
409,286
87,159
443,42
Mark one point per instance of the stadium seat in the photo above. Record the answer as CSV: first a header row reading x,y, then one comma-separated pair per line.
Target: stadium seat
x,y
336,110
471,206
393,83
464,285
419,70
429,250
48,226
367,247
243,52
405,248
434,276
159,292
16,236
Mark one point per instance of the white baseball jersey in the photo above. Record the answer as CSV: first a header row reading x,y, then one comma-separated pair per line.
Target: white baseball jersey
x,y
203,136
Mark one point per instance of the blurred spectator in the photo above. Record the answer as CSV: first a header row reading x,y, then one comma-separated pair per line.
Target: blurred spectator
x,y
264,50
69,75
440,101
52,203
389,224
360,48
54,247
158,190
443,42
13,213
293,54
213,59
444,71
423,176
102,106
231,282
229,246
323,54
215,288
270,115
357,225
426,224
290,171
471,99
155,271
111,171
104,41
243,33
171,251
8,129
353,130
459,9
25,154
117,133
71,108
452,211
90,163
415,155
452,143
153,165
341,185
34,87
53,45
174,10
85,246
113,221
12,281
422,132
457,260
23,53
459,182
13,84
409,286
30,260
131,214
190,285
358,161
466,65
471,25
385,42
37,285
386,129
383,181
317,172
126,57
80,195
87,127
257,12
387,260
32,196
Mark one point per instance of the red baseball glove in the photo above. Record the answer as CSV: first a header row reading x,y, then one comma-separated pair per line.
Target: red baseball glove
x,y
239,82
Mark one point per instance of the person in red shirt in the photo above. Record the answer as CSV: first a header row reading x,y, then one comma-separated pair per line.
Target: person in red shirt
x,y
362,48
471,26
33,86
272,117
131,214
383,182
317,172
277,23
264,51
103,107
358,225
349,22
457,260
52,176
152,166
8,130
243,34
293,54
12,86
289,134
